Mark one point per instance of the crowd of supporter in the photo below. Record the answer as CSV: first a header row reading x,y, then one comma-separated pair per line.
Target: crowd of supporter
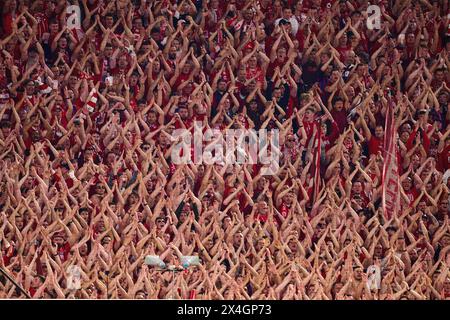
x,y
89,102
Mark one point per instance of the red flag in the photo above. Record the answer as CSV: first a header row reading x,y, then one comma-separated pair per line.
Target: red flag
x,y
238,25
220,36
391,176
92,102
318,145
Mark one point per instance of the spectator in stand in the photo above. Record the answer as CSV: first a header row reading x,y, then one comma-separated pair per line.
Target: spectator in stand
x,y
88,116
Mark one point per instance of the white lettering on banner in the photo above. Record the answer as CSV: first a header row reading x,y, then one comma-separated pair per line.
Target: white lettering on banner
x,y
391,177
73,17
236,147
373,17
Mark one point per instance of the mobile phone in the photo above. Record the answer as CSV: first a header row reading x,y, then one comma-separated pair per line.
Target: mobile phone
x,y
109,81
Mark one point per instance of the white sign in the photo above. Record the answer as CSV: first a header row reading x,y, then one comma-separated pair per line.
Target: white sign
x,y
373,277
74,277
73,17
373,17
235,146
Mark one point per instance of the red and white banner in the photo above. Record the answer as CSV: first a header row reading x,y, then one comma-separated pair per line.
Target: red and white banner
x,y
391,176
92,100
318,145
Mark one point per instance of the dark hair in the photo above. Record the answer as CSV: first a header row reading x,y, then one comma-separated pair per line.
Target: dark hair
x,y
226,263
360,65
26,82
83,209
337,99
446,39
311,63
33,49
53,21
5,124
328,125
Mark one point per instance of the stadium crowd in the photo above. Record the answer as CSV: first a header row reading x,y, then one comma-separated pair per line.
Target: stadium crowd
x,y
89,104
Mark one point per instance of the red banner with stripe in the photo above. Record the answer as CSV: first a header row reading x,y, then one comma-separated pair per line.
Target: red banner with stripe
x,y
318,145
391,175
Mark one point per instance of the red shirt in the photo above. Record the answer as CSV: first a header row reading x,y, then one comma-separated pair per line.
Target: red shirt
x,y
64,251
300,36
273,65
412,195
309,126
284,210
187,123
42,21
424,140
119,71
341,119
375,145
343,51
181,78
363,196
7,24
262,217
329,140
444,159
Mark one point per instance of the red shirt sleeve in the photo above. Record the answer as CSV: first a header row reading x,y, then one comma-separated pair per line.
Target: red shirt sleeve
x,y
7,24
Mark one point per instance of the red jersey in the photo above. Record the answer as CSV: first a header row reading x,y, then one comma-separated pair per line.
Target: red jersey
x,y
64,251
444,159
412,195
42,21
181,78
375,145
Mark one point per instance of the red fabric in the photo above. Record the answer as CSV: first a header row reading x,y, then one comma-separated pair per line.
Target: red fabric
x,y
375,145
